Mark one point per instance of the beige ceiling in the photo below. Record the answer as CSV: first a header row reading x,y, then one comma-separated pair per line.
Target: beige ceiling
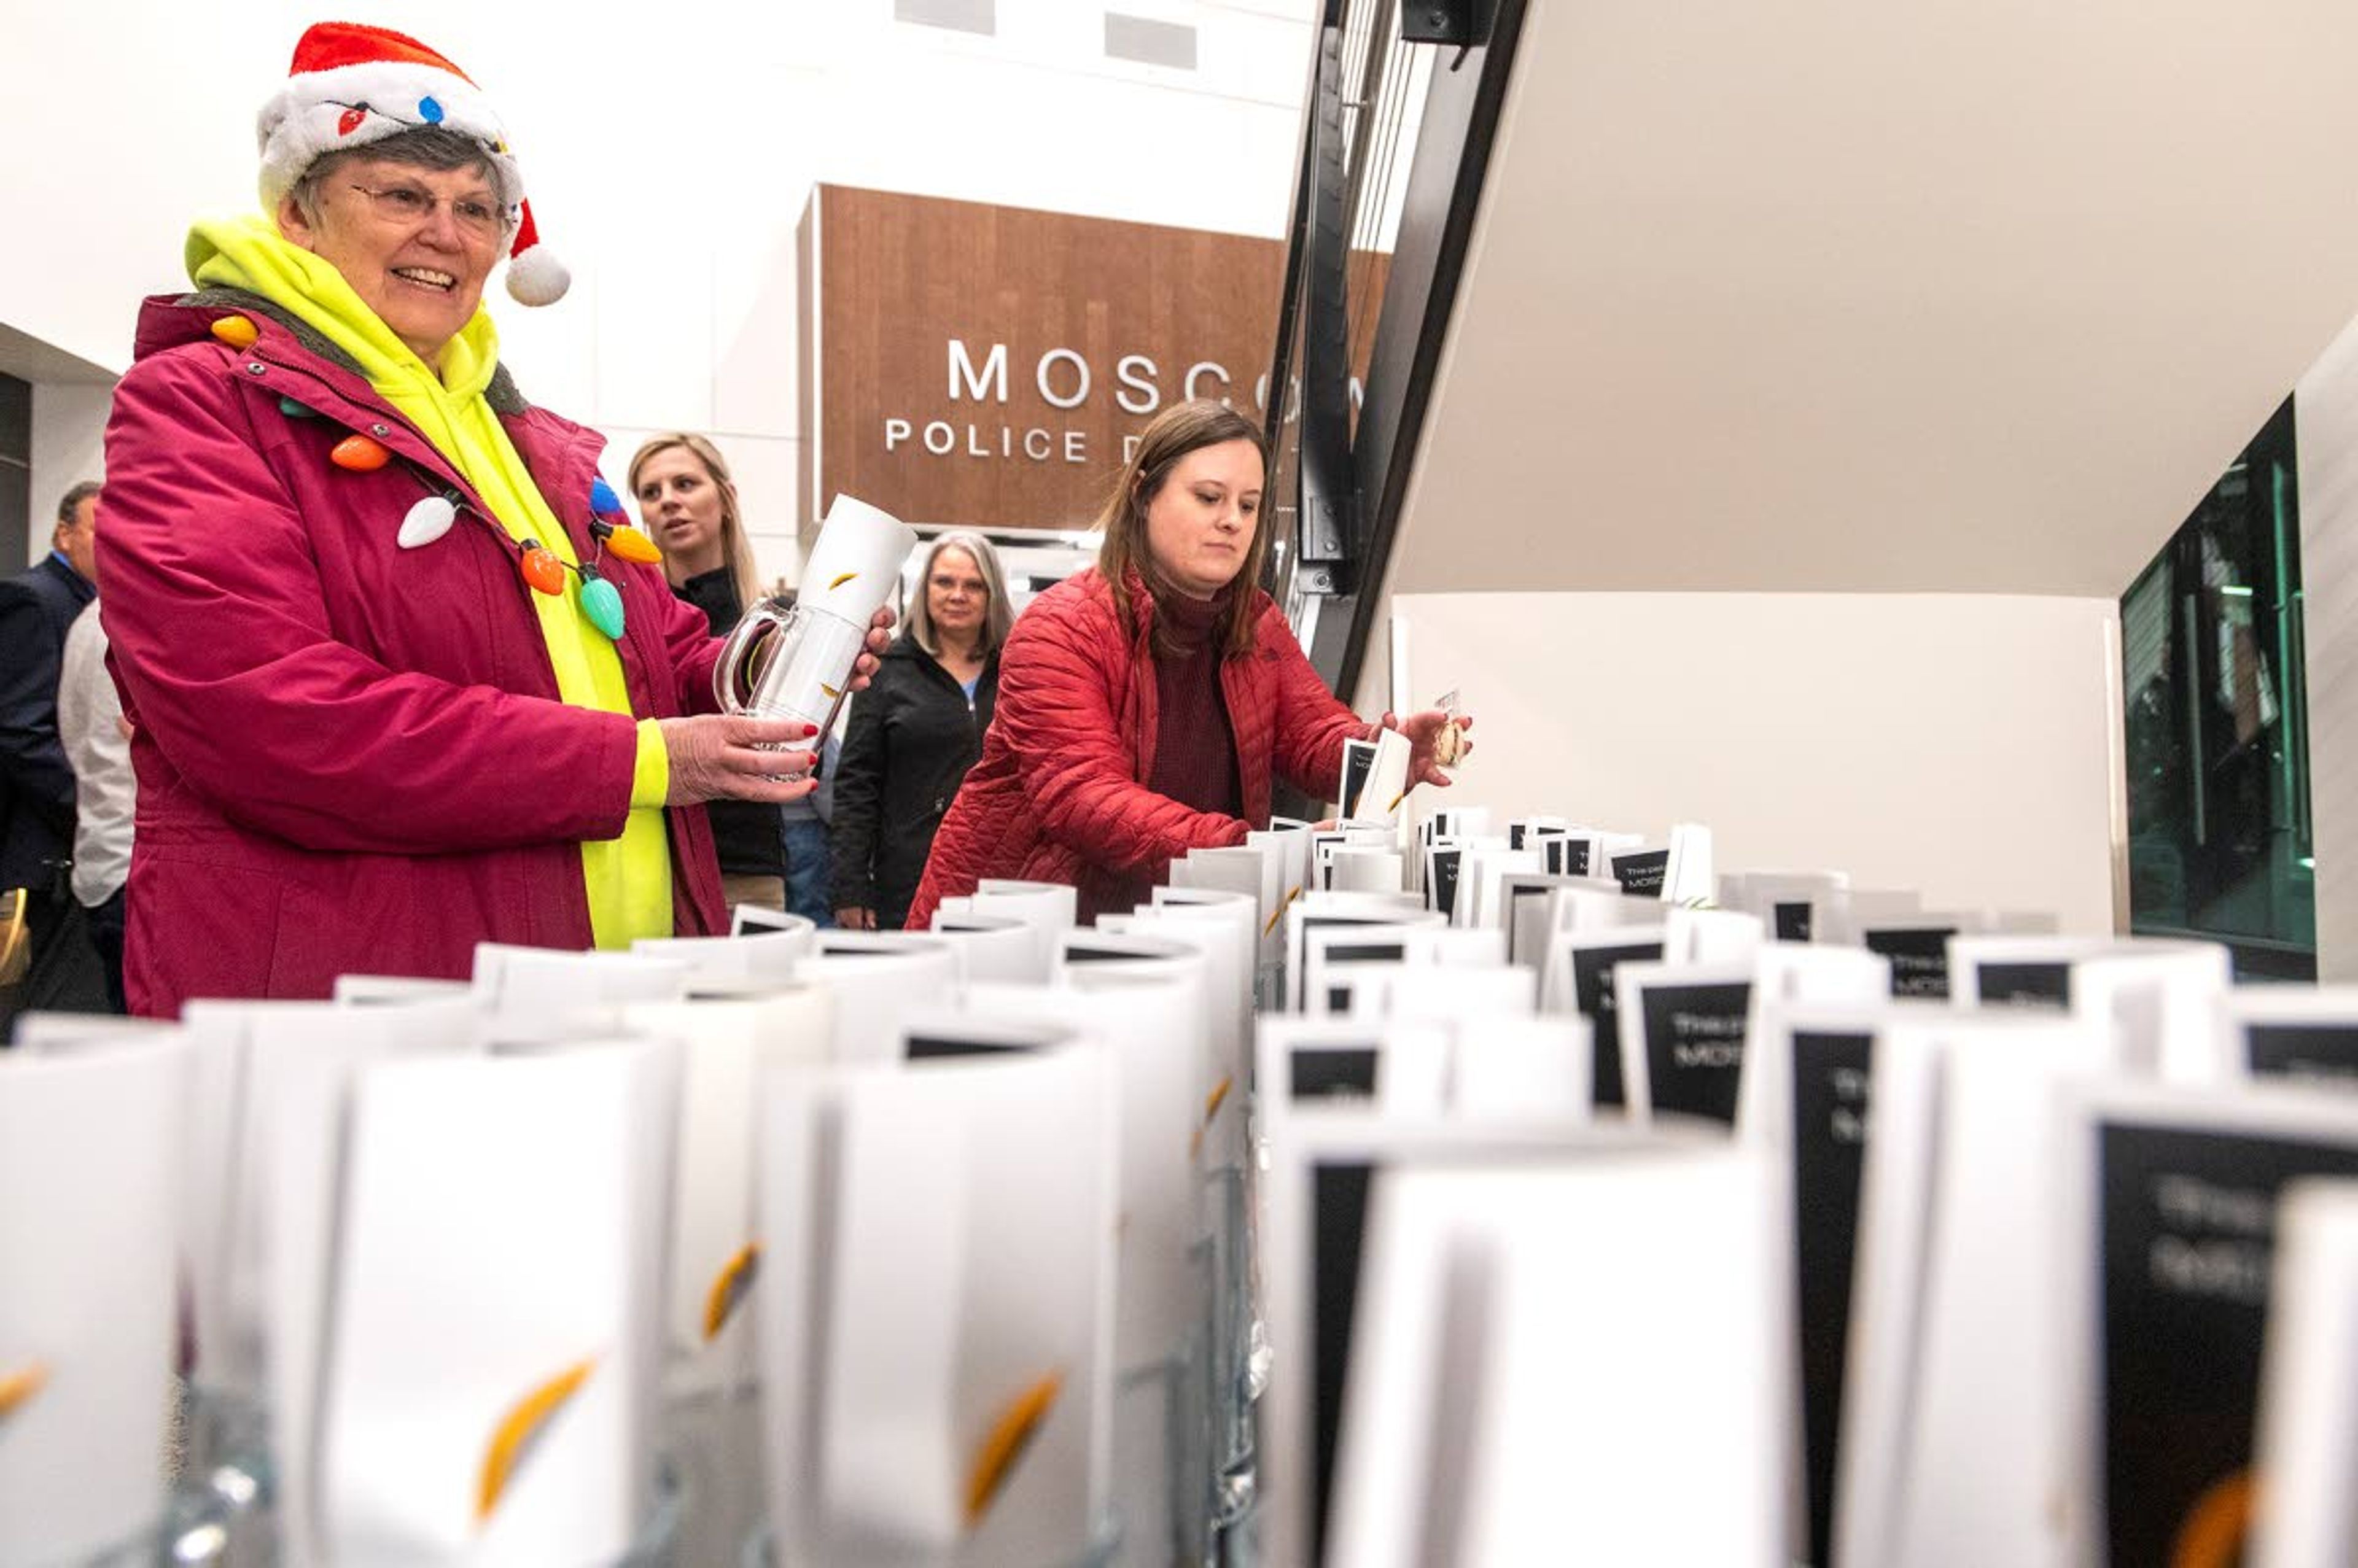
x,y
1967,295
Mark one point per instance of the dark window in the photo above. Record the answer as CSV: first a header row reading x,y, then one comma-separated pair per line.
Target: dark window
x,y
15,471
2220,833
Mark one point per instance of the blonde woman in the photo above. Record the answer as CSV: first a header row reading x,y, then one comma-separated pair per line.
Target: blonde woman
x,y
916,730
687,504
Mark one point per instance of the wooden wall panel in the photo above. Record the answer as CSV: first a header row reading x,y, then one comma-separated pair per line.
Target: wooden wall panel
x,y
898,279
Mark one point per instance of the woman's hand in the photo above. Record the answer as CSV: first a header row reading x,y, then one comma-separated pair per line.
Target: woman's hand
x,y
1422,729
880,637
718,756
856,919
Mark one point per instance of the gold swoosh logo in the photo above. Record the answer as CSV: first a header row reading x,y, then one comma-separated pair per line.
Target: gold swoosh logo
x,y
17,1388
1291,894
840,581
521,1430
1212,1103
729,1288
1004,1445
2214,1530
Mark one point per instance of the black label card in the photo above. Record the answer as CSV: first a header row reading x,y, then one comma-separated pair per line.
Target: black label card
x,y
2188,1236
1592,990
1100,955
1830,1100
1444,891
1327,1074
923,1047
1694,1046
1338,1217
1642,871
1358,762
1515,835
2318,1050
1791,919
1365,952
1920,958
2042,983
1568,857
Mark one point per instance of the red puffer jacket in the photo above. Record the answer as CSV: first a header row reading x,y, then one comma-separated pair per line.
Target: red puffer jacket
x,y
351,756
1060,794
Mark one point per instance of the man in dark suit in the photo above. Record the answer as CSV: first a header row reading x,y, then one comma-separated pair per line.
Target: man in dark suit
x,y
37,784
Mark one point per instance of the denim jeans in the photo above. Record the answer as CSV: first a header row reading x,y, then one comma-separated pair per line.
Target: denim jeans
x,y
807,869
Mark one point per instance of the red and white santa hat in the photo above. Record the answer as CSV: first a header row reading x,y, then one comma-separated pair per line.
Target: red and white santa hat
x,y
350,84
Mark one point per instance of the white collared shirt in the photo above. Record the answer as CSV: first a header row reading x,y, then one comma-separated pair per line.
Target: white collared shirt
x,y
88,711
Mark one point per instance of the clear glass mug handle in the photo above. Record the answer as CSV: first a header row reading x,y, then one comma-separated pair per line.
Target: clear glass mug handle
x,y
810,657
734,685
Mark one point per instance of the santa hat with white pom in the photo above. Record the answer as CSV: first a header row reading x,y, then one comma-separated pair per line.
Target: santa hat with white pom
x,y
350,84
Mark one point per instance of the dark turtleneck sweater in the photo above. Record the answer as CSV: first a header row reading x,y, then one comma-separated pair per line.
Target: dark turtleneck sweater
x,y
1194,752
744,832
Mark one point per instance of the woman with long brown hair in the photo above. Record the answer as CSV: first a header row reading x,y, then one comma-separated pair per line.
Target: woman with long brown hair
x,y
1146,705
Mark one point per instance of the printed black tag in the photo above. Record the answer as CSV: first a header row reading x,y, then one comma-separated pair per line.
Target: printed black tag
x,y
1694,1046
2187,1240
1830,1119
1592,990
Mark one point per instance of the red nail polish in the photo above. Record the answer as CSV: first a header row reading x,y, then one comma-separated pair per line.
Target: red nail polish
x,y
810,729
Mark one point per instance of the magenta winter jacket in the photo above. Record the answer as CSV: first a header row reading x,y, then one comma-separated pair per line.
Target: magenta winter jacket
x,y
1059,794
351,755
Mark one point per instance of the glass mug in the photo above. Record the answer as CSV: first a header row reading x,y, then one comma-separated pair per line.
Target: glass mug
x,y
794,662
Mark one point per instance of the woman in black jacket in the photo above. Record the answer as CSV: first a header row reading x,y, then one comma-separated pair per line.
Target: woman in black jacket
x,y
687,504
915,731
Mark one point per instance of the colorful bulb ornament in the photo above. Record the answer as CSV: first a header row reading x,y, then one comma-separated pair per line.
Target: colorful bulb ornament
x,y
541,568
602,604
632,546
427,521
360,454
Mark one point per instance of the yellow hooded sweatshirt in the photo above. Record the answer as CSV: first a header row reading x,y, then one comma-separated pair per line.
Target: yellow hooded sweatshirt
x,y
628,879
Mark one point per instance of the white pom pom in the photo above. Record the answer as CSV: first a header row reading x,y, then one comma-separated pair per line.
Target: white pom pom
x,y
536,277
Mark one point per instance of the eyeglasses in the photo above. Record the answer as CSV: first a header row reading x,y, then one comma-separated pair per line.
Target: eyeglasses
x,y
405,204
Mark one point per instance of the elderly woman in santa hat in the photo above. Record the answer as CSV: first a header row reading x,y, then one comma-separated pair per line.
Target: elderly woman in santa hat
x,y
402,677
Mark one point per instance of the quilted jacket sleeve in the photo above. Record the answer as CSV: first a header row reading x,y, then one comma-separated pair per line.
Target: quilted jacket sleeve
x,y
1056,701
215,609
1311,722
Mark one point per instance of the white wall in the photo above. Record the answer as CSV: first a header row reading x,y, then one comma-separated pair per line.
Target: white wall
x,y
2325,413
1959,744
1945,296
67,421
670,151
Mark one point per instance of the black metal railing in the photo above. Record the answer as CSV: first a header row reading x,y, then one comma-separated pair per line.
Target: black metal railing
x,y
1395,139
